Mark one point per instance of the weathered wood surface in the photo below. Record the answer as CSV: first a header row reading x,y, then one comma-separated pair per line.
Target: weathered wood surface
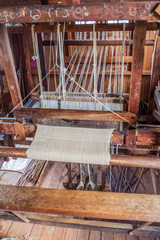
x,y
135,161
137,66
101,11
98,42
121,206
155,74
151,26
95,225
116,160
73,114
9,67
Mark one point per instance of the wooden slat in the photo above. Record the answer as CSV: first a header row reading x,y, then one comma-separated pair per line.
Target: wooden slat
x,y
116,160
9,67
73,114
155,74
151,26
90,204
98,42
94,12
82,225
137,66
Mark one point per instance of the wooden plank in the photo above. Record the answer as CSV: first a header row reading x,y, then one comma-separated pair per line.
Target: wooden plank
x,y
81,203
98,42
137,66
9,67
151,26
117,160
81,12
148,137
107,227
6,225
155,76
73,114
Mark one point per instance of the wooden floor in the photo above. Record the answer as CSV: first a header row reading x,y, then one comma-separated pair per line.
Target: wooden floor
x,y
54,176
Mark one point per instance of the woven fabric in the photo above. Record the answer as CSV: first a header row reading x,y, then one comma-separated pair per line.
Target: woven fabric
x,y
70,144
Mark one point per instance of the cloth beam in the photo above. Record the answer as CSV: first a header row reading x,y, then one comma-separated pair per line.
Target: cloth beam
x,y
70,144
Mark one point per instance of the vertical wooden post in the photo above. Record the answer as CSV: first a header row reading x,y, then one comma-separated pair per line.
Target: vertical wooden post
x,y
137,65
42,59
27,61
155,75
9,67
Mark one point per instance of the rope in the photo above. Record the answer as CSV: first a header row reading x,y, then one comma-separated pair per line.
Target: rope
x,y
86,76
110,77
36,55
95,60
116,114
83,68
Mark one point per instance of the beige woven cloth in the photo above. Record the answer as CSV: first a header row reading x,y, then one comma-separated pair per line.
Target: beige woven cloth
x,y
70,144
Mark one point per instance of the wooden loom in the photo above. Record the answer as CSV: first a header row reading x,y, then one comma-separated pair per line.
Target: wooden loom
x,y
27,117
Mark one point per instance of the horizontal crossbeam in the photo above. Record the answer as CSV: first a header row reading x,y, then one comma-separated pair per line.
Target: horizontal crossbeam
x,y
91,204
81,12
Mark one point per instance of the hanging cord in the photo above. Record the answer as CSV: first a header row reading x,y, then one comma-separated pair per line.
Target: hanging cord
x,y
37,58
50,55
86,76
61,44
72,79
95,60
111,67
115,74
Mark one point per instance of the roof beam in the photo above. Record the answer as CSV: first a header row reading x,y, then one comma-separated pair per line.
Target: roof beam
x,y
94,12
151,26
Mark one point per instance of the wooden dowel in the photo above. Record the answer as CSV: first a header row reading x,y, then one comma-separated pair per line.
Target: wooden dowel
x,y
117,160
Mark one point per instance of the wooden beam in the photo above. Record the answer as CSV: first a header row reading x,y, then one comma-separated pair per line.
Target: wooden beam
x,y
96,225
26,51
155,75
116,160
151,26
98,42
137,66
91,204
9,67
73,114
81,12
